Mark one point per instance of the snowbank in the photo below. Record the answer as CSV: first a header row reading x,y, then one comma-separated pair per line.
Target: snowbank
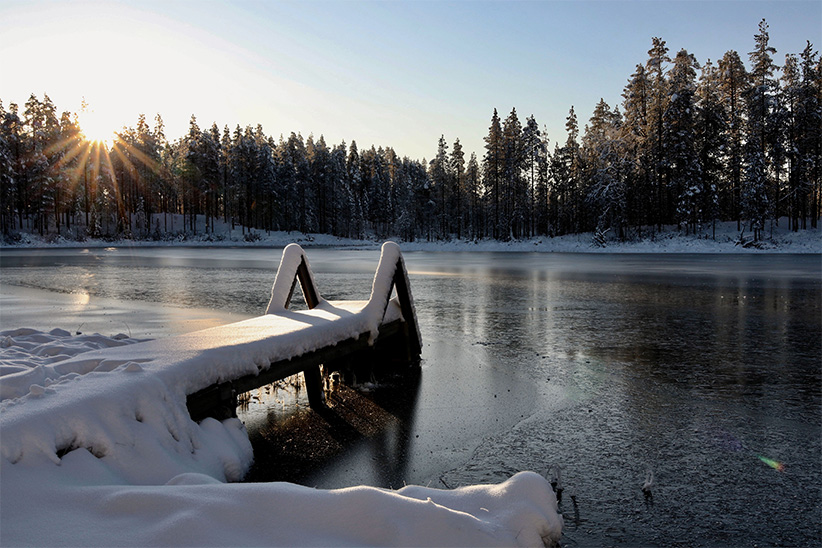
x,y
29,357
54,506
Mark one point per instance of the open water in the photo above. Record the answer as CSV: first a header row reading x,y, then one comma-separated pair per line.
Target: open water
x,y
703,369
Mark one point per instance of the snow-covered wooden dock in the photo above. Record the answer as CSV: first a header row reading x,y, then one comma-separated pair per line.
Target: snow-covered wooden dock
x,y
335,335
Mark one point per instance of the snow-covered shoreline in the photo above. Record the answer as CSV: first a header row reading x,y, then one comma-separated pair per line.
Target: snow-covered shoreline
x,y
725,240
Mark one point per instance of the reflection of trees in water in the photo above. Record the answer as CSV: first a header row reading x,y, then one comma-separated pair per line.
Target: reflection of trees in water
x,y
283,392
376,420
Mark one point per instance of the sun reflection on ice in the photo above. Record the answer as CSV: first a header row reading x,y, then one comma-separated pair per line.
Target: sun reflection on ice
x,y
81,299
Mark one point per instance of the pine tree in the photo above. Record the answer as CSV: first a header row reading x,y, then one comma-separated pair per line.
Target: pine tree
x,y
514,191
533,151
296,187
439,174
809,135
11,141
230,203
41,140
734,81
635,132
711,140
493,171
354,183
541,194
605,172
191,175
319,158
791,90
378,197
240,164
6,177
71,145
268,191
338,191
457,170
658,104
566,168
211,170
682,161
472,190
760,107
163,192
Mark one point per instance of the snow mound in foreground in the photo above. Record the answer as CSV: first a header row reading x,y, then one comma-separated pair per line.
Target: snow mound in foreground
x,y
126,466
196,510
30,357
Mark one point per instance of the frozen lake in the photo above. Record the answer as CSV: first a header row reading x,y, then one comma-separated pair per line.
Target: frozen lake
x,y
705,369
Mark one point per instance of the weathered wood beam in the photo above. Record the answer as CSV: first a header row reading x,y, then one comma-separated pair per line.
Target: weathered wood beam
x,y
201,404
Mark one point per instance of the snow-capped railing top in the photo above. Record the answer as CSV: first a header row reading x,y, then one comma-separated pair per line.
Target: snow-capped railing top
x,y
293,266
391,273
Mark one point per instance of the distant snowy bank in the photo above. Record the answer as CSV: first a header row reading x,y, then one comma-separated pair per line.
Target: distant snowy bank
x,y
103,453
725,239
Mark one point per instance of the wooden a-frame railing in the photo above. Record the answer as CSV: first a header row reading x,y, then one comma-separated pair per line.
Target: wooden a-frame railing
x,y
380,328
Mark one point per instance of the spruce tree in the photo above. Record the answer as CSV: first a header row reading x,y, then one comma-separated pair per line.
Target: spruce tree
x,y
733,82
791,91
682,161
635,137
514,192
472,189
711,141
457,170
809,138
760,108
658,83
439,173
604,156
493,171
533,151
354,183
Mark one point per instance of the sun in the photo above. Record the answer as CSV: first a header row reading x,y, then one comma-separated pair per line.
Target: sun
x,y
95,127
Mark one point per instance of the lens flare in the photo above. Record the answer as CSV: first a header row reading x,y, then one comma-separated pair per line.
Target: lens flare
x,y
776,465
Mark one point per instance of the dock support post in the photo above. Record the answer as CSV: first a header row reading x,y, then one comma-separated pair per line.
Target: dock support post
x,y
412,334
314,387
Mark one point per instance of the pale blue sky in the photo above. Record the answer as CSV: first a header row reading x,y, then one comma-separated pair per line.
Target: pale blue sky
x,y
385,73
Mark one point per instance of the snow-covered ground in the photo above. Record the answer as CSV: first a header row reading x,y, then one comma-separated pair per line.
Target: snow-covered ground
x,y
98,449
726,238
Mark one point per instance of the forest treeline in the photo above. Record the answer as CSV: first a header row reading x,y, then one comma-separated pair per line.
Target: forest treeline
x,y
691,144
